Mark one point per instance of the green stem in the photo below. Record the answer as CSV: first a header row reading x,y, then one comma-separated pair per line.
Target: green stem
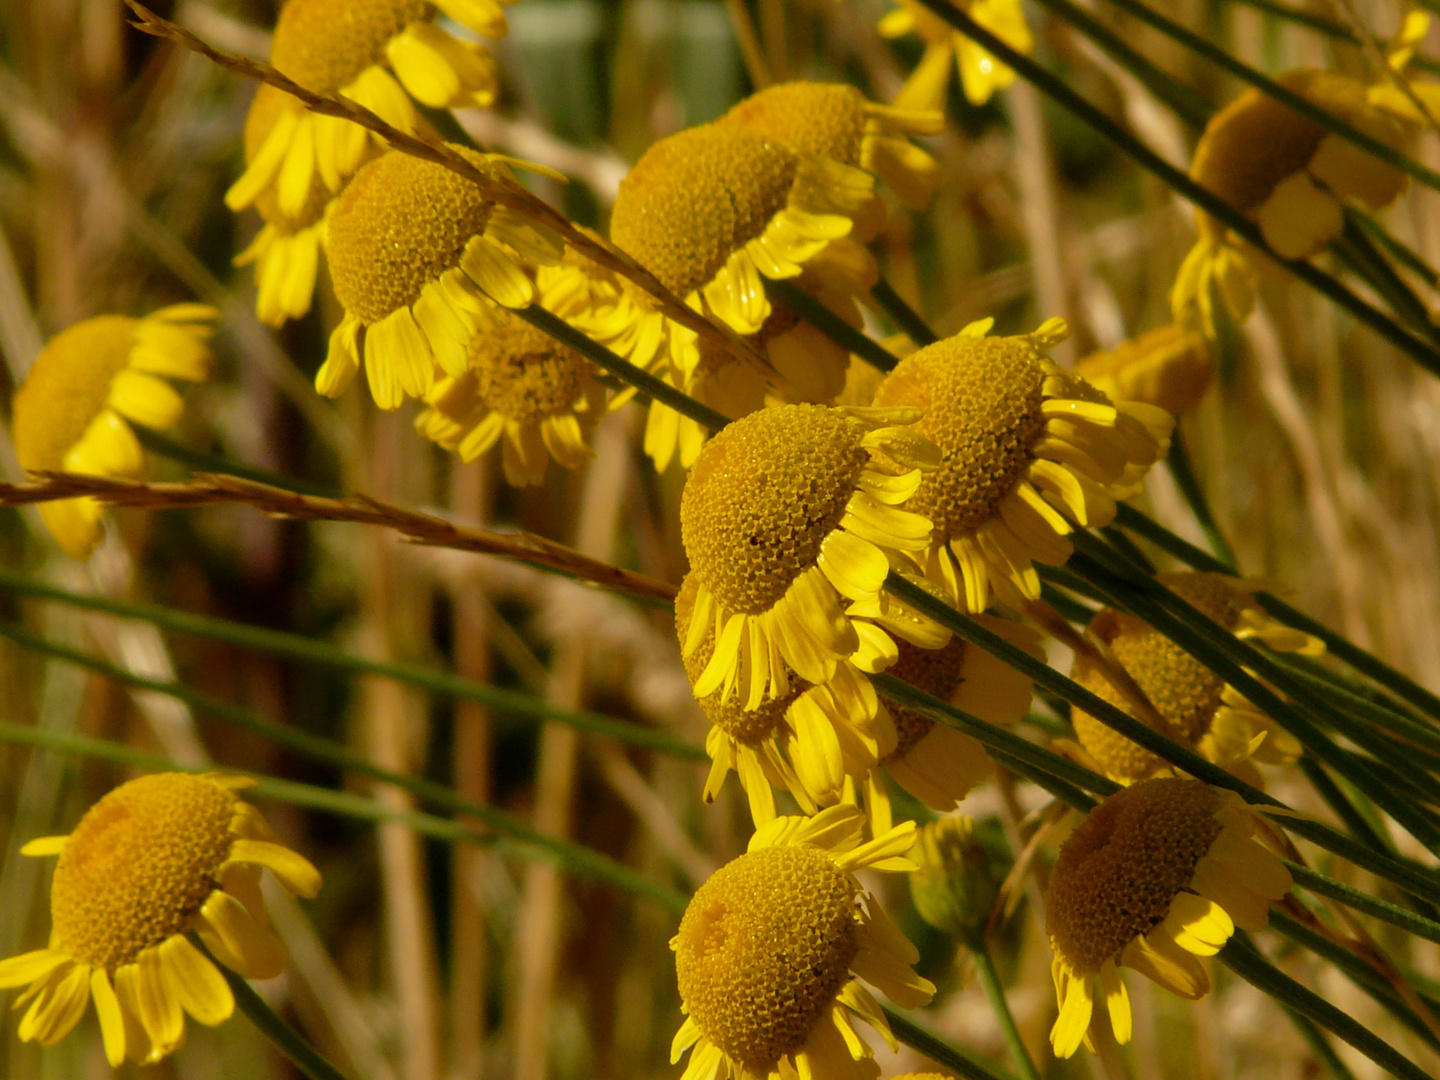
x,y
1402,253
939,1051
995,992
831,325
1383,910
902,314
1328,790
1178,462
1320,1046
1356,250
157,443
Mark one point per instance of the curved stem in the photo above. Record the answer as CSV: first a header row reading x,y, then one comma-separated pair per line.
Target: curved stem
x,y
1183,471
995,992
937,1050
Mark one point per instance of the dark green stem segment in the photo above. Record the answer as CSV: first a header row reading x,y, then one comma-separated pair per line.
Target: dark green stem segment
x,y
939,1051
1383,910
995,992
642,380
1319,1046
157,443
831,325
1181,468
903,315
284,1038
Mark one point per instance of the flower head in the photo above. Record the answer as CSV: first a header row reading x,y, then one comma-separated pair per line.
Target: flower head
x,y
70,414
345,47
1199,709
772,947
156,859
1029,451
980,73
1155,876
961,867
421,259
524,386
1168,367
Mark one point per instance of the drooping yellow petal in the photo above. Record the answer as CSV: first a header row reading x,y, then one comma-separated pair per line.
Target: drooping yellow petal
x,y
290,868
112,1023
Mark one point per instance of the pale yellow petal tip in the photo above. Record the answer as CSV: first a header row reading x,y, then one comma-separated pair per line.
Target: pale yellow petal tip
x,y
45,845
1051,333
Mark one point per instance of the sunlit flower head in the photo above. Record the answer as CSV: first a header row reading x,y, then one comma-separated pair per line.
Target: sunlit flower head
x,y
420,259
980,73
70,414
1169,367
1029,450
156,859
351,48
772,948
521,386
1201,711
1290,176
960,868
835,121
785,516
1156,876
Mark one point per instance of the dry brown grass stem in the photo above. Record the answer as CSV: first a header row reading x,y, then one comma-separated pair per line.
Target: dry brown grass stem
x,y
417,527
503,192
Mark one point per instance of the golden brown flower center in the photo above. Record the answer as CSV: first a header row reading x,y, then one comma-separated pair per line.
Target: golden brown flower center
x,y
981,398
139,866
324,44
824,118
524,374
1123,866
265,109
697,197
937,672
763,496
400,224
67,387
763,949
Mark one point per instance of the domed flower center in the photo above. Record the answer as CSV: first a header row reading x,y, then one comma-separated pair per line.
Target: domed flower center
x,y
762,497
981,398
824,118
67,388
697,197
265,109
139,866
400,224
324,44
525,374
763,949
1121,869
937,672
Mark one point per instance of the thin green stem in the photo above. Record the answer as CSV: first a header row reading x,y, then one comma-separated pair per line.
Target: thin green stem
x,y
1325,786
1303,18
1356,250
157,443
831,325
1181,468
1320,1046
995,992
902,314
939,1051
1402,253
1380,909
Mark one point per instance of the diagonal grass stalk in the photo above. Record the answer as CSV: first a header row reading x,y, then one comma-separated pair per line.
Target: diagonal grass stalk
x,y
995,993
166,447
939,1051
830,324
1181,468
1341,893
902,314
1320,1046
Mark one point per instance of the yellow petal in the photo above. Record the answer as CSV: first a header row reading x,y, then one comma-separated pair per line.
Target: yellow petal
x,y
45,845
28,967
290,868
145,399
160,1010
112,1023
1299,218
195,983
496,274
58,1008
237,940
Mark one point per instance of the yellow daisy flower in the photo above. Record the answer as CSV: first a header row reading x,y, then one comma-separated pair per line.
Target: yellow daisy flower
x,y
156,859
712,211
70,414
1154,877
785,515
524,386
1029,450
1168,367
345,47
1200,710
1288,175
960,870
772,948
420,259
980,73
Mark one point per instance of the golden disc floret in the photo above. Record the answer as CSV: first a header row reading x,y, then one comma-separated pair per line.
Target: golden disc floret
x,y
324,44
823,118
525,373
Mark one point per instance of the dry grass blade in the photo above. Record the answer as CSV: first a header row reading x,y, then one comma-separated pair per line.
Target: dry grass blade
x,y
419,528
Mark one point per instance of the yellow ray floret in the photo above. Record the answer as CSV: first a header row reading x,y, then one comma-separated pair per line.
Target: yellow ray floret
x,y
1200,710
1029,452
422,262
960,869
1156,876
358,49
785,516
1168,367
980,73
156,859
70,414
772,948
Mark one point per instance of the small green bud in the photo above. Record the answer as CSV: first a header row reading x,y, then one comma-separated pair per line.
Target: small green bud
x,y
962,866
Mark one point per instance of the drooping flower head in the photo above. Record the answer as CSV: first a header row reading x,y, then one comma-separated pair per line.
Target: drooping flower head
x,y
156,859
980,73
1200,710
523,386
1029,451
345,47
1168,367
1155,876
772,948
1290,176
420,259
786,515
960,867
70,414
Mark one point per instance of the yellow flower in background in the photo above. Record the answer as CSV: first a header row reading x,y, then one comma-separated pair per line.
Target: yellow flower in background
x,y
1290,176
1201,711
772,948
786,515
420,259
1154,877
960,869
156,859
1029,451
70,414
521,386
980,73
345,47
1169,367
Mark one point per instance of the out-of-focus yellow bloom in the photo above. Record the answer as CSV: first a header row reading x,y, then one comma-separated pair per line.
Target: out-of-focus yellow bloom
x,y
959,874
71,412
1168,367
980,73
